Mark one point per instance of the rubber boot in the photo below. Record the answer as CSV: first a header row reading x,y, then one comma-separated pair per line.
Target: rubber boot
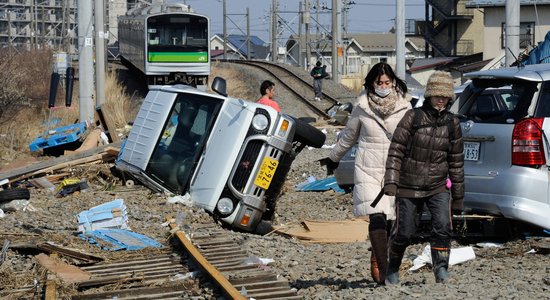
x,y
379,243
374,270
395,255
440,263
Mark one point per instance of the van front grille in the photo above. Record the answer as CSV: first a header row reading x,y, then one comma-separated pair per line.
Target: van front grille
x,y
246,164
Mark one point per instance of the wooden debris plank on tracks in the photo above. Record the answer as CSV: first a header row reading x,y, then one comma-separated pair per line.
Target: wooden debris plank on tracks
x,y
102,153
224,258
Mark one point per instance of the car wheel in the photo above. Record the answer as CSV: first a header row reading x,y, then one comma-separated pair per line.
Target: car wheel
x,y
13,194
308,134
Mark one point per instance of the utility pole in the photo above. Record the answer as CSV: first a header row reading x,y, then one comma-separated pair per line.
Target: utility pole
x,y
33,20
336,34
300,21
99,52
224,29
274,31
85,61
247,33
511,44
306,22
400,39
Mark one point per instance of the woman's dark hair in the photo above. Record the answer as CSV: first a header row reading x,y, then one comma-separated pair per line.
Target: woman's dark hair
x,y
380,69
265,86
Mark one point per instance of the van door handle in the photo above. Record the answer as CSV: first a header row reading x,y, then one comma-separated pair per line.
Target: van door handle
x,y
478,138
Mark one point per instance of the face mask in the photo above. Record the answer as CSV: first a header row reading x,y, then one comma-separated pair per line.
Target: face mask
x,y
382,92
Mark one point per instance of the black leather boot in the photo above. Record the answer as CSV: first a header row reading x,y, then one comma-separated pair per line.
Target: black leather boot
x,y
379,243
440,263
395,255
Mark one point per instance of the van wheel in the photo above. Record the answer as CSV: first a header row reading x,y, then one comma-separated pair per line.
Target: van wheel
x,y
308,135
13,194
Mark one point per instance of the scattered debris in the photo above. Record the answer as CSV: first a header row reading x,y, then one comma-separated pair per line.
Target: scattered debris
x,y
457,256
63,271
347,231
119,239
58,136
110,215
312,185
69,186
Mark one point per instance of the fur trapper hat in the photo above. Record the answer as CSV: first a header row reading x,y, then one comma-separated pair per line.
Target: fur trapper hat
x,y
440,84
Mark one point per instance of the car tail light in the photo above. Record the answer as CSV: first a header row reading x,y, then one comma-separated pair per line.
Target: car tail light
x,y
527,144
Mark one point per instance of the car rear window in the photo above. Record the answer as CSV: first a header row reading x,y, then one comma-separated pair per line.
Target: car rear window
x,y
543,106
497,101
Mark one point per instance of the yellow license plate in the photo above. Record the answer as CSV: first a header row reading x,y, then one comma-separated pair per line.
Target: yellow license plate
x,y
267,170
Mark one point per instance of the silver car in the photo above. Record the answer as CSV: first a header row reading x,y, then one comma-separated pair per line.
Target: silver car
x,y
505,143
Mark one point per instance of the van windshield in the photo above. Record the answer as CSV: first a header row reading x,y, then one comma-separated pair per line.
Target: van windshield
x,y
184,136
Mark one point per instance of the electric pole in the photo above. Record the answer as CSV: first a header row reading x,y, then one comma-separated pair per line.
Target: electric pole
x,y
400,39
99,52
85,61
224,30
511,36
274,31
336,34
247,34
306,22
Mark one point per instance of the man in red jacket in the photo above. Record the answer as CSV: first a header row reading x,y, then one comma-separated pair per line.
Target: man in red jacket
x,y
267,89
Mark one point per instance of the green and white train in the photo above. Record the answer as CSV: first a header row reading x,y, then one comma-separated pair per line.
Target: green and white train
x,y
167,43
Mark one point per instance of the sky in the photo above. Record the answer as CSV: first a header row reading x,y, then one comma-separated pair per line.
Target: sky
x,y
363,16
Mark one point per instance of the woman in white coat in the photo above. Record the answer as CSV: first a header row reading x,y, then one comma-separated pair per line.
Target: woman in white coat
x,y
379,109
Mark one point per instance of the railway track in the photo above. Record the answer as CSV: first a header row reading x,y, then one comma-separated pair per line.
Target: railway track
x,y
161,273
296,84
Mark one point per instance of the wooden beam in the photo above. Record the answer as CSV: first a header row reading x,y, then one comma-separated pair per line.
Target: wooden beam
x,y
229,289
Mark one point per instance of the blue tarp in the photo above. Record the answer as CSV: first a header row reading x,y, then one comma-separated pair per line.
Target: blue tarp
x,y
541,54
119,239
320,185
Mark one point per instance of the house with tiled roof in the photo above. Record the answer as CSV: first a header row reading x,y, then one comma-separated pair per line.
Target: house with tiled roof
x,y
362,50
237,47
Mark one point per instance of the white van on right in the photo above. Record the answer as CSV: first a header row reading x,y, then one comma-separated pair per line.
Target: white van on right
x,y
505,143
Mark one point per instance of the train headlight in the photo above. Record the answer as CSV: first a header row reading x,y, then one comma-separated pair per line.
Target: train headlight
x,y
225,206
260,122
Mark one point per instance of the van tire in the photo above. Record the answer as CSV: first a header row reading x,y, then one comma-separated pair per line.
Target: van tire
x,y
13,194
308,135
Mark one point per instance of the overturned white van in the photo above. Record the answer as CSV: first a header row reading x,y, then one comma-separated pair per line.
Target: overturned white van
x,y
230,155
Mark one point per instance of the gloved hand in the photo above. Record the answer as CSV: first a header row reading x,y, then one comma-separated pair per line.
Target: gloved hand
x,y
331,165
390,189
457,207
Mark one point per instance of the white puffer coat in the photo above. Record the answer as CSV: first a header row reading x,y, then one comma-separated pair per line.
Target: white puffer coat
x,y
364,127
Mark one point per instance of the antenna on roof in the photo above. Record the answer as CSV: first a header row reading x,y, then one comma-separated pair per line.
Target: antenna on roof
x,y
518,63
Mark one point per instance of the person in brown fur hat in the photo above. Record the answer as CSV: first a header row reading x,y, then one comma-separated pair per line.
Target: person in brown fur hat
x,y
425,152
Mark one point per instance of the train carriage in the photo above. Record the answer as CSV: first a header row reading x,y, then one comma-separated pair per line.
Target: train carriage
x,y
169,44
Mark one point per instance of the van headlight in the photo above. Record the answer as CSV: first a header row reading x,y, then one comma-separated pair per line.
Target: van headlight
x,y
225,206
260,122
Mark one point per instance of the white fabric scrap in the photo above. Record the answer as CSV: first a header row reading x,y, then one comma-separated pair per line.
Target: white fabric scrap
x,y
457,256
185,199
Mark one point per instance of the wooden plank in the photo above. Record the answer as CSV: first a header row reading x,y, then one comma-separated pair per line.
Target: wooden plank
x,y
44,165
132,292
69,252
64,271
218,277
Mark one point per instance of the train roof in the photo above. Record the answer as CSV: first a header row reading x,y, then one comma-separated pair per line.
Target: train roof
x,y
166,7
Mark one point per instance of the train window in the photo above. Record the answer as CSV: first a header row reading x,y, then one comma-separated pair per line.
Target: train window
x,y
179,20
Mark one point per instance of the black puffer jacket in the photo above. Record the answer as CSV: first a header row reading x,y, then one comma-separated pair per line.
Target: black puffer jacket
x,y
419,165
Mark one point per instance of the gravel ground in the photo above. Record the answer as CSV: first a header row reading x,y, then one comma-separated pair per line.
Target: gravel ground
x,y
317,271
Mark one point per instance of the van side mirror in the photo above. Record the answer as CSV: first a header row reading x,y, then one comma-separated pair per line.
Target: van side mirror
x,y
219,86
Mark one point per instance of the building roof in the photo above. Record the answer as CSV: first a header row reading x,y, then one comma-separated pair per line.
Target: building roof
x,y
369,42
496,3
258,48
427,63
